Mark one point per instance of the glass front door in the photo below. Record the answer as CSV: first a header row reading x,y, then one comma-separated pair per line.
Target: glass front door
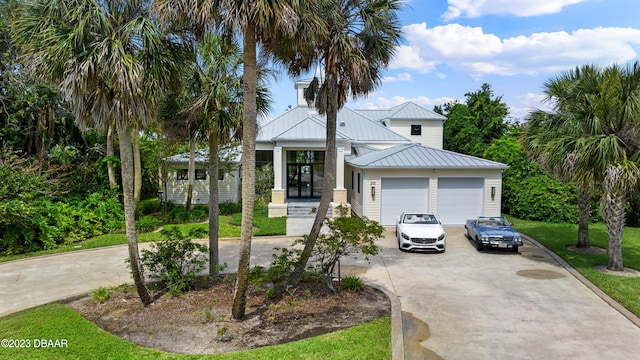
x,y
305,170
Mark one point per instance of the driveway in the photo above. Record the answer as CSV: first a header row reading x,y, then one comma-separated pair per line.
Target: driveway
x,y
495,304
458,305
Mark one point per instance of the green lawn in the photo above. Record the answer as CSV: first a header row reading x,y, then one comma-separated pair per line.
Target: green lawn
x,y
557,237
229,228
84,340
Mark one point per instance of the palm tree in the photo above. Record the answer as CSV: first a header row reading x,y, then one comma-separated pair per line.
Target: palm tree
x,y
542,138
613,150
255,21
598,140
111,61
357,42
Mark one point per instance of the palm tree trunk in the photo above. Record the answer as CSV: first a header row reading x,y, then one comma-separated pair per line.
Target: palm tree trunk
x,y
126,160
584,207
137,169
111,172
214,210
614,217
328,182
191,173
248,170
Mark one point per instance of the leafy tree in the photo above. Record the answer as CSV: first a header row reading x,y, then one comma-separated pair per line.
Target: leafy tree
x,y
111,60
354,40
471,127
255,21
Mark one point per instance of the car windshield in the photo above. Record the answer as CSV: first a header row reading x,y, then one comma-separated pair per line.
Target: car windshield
x,y
419,219
492,221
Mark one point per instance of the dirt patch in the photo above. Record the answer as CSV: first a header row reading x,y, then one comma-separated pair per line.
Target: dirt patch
x,y
198,321
628,272
591,250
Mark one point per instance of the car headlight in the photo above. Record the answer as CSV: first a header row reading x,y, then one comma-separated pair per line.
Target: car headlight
x,y
485,238
405,236
441,237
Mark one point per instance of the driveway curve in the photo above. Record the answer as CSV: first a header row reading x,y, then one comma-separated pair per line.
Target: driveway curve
x,y
461,304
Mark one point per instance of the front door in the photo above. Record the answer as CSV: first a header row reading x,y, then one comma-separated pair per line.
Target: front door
x,y
304,174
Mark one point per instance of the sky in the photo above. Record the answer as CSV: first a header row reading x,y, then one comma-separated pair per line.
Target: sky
x,y
451,47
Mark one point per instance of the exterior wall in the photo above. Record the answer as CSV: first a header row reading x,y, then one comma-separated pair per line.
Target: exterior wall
x,y
229,189
432,131
364,204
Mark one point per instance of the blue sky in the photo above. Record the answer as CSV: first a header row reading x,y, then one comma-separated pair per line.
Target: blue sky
x,y
452,47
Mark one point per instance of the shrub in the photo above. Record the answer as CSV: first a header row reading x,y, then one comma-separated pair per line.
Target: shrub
x,y
175,261
147,224
228,208
352,283
347,236
150,206
178,214
100,294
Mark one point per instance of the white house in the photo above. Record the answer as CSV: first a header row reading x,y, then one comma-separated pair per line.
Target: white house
x,y
177,180
388,161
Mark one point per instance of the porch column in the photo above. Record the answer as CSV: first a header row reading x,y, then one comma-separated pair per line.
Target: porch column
x,y
277,206
339,203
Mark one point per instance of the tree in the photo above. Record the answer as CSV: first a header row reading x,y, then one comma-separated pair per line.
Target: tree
x,y
471,127
356,41
255,21
111,61
599,138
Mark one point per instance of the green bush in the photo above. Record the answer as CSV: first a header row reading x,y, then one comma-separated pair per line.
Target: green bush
x,y
352,283
175,260
150,206
147,224
178,214
228,208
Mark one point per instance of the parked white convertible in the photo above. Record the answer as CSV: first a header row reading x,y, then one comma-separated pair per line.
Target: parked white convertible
x,y
420,231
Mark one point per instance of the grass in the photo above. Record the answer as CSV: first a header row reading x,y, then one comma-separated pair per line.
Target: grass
x,y
86,341
229,228
557,237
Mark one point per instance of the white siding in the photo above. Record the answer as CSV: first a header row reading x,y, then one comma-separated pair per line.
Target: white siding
x,y
229,189
432,131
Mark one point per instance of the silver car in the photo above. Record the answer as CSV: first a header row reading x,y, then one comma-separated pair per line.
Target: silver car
x,y
420,231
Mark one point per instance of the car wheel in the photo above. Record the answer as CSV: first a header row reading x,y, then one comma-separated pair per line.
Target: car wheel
x,y
479,245
514,249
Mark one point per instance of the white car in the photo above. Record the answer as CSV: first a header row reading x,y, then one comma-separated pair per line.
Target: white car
x,y
420,231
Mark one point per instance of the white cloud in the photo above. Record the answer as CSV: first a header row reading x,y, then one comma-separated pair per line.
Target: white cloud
x,y
521,8
378,103
470,50
401,77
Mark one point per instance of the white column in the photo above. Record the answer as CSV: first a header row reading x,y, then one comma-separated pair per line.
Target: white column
x,y
340,168
277,167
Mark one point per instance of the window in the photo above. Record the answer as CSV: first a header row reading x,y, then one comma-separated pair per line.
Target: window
x,y
182,174
358,183
201,174
416,130
221,175
351,180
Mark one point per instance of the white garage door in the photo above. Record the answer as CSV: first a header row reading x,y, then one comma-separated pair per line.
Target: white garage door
x,y
460,199
401,195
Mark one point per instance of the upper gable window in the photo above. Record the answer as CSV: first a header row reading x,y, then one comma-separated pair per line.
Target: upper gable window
x,y
416,130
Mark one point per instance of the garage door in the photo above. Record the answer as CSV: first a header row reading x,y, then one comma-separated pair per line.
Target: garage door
x,y
460,199
401,195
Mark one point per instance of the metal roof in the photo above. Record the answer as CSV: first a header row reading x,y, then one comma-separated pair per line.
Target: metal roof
x,y
310,128
202,156
411,110
419,156
302,123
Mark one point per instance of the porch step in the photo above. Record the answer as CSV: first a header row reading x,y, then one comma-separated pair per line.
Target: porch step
x,y
304,210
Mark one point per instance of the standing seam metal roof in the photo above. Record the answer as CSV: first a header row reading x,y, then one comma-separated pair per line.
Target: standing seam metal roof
x,y
418,156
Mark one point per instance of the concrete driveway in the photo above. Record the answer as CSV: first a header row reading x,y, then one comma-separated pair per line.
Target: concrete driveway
x,y
458,305
495,304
